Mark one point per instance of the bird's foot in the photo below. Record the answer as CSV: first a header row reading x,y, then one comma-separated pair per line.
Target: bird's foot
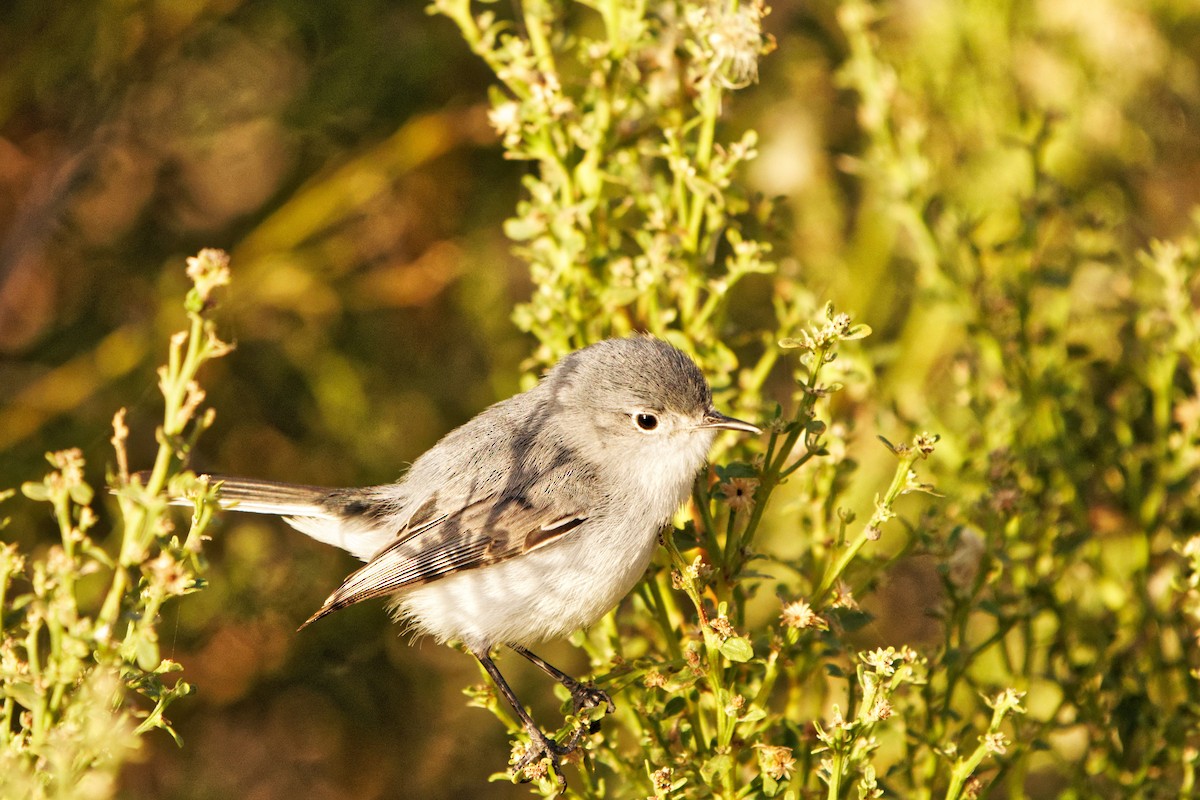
x,y
584,698
543,757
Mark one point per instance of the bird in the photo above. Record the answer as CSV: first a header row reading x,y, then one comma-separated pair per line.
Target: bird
x,y
528,522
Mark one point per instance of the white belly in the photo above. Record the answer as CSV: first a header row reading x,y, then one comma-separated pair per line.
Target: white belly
x,y
543,594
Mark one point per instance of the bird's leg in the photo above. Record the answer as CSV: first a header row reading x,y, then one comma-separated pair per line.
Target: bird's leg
x,y
541,745
583,695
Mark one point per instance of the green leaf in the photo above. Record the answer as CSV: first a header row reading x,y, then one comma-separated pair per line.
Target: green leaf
x,y
737,648
753,714
81,494
850,619
595,713
171,732
522,229
676,705
623,295
35,491
24,693
718,763
75,648
736,469
859,331
167,665
148,656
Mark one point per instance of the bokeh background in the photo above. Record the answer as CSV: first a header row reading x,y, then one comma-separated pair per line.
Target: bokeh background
x,y
341,153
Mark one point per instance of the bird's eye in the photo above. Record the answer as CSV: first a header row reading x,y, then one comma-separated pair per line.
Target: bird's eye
x,y
646,422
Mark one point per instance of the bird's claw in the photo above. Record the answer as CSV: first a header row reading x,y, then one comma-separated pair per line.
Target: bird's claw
x,y
585,697
542,748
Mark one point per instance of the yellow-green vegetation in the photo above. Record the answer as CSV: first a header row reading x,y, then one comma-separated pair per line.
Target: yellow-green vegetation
x,y
947,254
81,680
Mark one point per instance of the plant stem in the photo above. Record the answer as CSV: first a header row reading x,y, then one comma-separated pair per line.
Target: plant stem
x,y
870,531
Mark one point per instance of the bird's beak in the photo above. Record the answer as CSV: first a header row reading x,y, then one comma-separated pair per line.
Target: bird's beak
x,y
716,420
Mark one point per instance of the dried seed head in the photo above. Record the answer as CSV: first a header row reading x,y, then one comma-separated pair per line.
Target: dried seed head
x,y
776,761
739,493
799,614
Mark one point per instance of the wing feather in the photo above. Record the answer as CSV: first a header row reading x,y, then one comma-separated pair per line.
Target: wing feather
x,y
482,533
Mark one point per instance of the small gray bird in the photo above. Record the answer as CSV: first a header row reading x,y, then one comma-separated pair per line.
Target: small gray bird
x,y
530,521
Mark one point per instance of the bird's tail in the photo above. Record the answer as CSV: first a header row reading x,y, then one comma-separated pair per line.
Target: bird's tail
x,y
264,497
269,497
340,517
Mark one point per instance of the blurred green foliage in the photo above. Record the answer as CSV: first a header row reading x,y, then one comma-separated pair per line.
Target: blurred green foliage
x,y
1005,192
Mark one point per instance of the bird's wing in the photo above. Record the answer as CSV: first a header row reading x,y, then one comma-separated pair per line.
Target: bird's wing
x,y
482,533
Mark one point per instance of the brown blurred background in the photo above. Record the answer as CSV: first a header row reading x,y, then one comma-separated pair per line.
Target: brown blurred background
x,y
340,152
